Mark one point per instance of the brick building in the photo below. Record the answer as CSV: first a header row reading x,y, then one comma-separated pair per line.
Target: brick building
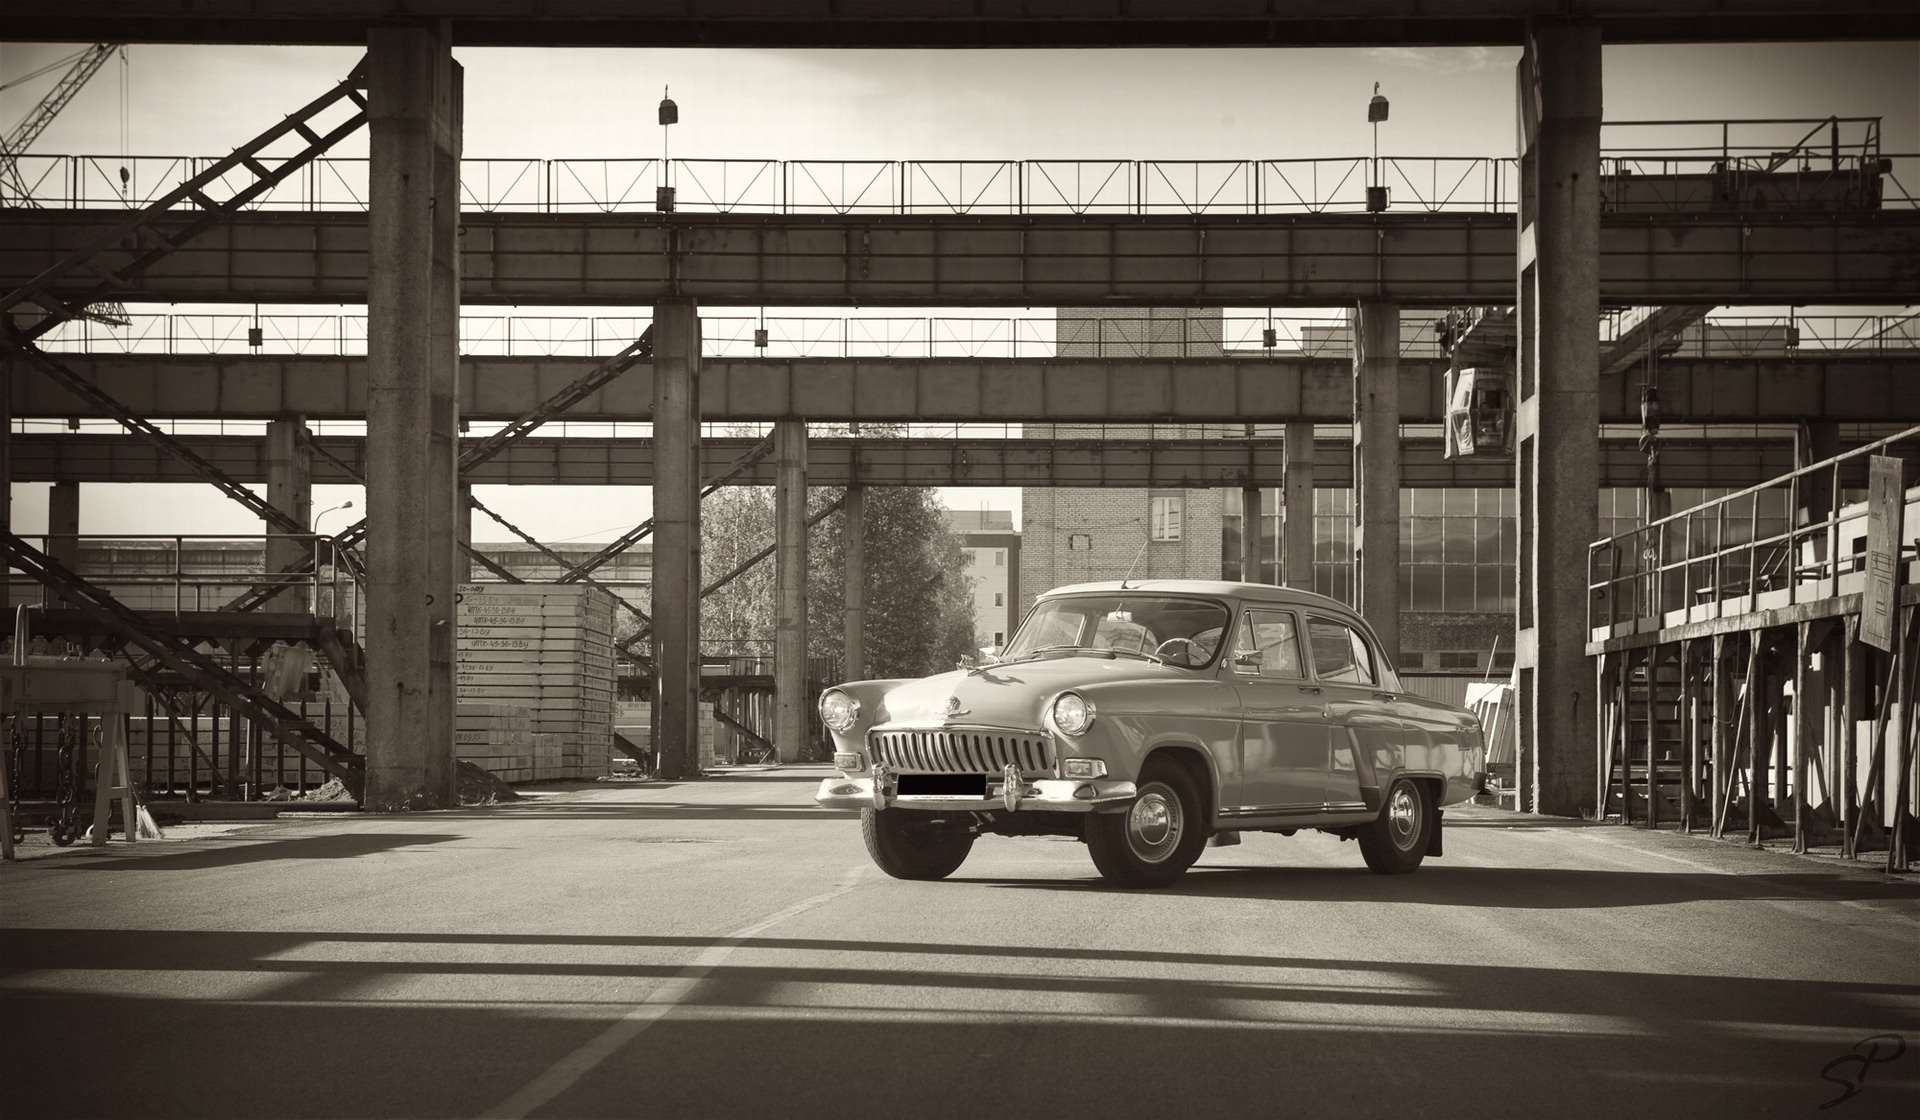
x,y
1074,534
992,549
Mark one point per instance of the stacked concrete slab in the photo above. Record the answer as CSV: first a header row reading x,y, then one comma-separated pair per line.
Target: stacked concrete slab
x,y
545,650
497,738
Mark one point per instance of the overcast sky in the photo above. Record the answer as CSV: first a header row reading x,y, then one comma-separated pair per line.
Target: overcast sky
x,y
1144,104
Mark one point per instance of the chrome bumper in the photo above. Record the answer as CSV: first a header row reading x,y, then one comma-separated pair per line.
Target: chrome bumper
x,y
1056,795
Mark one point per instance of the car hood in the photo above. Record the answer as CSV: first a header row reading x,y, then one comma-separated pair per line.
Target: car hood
x,y
1013,696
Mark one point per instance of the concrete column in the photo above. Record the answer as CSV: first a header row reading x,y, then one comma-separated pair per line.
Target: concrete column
x,y
63,523
289,490
1296,508
463,531
790,590
856,583
676,536
1251,567
6,485
413,310
1376,470
1558,417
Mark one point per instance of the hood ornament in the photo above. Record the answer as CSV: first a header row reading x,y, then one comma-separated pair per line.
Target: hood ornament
x,y
954,708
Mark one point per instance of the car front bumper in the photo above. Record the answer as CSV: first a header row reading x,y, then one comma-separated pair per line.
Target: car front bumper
x,y
1055,795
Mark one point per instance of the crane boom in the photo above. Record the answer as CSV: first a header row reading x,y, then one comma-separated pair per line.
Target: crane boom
x,y
37,118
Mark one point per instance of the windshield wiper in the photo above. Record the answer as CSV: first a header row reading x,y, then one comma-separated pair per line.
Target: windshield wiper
x,y
1137,653
1033,653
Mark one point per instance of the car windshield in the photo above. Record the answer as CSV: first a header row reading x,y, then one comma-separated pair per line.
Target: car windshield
x,y
1179,630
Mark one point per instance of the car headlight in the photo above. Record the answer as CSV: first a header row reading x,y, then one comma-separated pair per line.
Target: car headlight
x,y
838,710
1072,713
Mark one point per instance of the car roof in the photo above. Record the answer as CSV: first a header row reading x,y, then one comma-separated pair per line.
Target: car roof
x,y
1214,588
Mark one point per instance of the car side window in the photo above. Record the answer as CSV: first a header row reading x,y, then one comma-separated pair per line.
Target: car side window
x,y
1340,654
1270,636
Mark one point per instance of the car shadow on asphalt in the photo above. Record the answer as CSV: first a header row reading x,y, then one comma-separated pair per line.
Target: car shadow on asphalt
x,y
236,850
1524,888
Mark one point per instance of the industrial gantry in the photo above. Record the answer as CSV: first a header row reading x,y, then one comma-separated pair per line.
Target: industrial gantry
x,y
1569,240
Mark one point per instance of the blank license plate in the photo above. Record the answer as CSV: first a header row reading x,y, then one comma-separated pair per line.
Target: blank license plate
x,y
943,785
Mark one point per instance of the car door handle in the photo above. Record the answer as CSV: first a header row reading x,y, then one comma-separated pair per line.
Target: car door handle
x,y
1311,689
1386,696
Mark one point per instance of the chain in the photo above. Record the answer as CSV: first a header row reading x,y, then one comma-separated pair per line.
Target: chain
x,y
16,746
69,767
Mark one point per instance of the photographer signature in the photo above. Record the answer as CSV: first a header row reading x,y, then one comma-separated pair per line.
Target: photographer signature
x,y
1849,1071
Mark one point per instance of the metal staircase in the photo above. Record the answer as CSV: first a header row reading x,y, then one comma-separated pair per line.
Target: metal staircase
x,y
182,657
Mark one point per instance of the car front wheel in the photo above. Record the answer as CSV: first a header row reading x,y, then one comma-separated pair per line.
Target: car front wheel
x,y
1395,843
910,845
1157,838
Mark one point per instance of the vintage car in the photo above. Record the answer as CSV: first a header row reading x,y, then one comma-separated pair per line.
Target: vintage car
x,y
1146,717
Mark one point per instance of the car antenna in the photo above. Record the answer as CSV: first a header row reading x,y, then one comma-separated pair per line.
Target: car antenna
x,y
1136,563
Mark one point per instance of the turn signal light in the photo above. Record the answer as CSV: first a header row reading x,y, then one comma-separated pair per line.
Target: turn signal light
x,y
1084,767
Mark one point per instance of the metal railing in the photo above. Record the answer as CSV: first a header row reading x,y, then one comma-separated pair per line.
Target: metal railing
x,y
1726,557
1752,336
180,573
1432,184
285,334
1652,180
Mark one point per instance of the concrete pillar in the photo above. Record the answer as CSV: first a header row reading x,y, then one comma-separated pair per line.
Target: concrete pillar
x,y
63,523
1376,470
463,531
790,590
289,490
676,536
1558,417
413,310
856,583
1296,508
6,484
1251,568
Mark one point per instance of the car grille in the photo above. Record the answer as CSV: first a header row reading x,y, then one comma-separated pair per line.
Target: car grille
x,y
983,751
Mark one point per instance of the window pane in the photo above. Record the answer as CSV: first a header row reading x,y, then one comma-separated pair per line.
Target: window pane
x,y
1426,588
1278,646
1458,595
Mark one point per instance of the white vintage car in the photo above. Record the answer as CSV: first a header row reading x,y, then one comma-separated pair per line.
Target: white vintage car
x,y
1145,717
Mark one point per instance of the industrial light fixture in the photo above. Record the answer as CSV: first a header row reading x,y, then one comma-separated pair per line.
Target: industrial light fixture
x,y
254,334
1269,338
760,332
1377,190
669,115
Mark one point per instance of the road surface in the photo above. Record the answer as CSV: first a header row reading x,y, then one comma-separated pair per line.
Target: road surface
x,y
723,948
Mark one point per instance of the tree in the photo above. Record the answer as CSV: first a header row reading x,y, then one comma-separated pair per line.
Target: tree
x,y
919,597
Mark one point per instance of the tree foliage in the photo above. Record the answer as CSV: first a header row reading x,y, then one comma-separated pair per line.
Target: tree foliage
x,y
919,597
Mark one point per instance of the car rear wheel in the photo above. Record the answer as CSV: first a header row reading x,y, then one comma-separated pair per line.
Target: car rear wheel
x,y
1395,843
910,845
1156,838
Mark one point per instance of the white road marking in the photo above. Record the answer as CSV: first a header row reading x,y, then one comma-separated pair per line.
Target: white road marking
x,y
562,1075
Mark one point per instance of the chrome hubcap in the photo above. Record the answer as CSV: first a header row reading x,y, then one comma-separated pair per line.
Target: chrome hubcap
x,y
1403,815
1155,824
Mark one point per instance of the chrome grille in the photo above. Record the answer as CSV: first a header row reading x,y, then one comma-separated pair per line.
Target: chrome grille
x,y
961,751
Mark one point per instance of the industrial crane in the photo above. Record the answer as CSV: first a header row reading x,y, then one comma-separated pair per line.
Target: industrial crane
x,y
13,188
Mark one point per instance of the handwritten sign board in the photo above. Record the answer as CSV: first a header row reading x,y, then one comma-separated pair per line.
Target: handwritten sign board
x,y
1885,504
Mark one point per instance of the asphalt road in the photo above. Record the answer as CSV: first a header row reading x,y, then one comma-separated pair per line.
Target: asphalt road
x,y
722,948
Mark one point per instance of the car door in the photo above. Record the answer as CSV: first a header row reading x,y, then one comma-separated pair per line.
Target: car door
x,y
1368,737
1283,721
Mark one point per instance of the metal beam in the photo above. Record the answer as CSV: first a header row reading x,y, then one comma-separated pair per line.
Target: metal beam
x,y
1818,385
1312,260
941,23
1733,461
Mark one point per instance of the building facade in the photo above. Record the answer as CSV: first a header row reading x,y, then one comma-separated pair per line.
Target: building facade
x,y
992,551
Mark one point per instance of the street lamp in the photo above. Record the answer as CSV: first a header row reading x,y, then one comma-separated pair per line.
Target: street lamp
x,y
348,504
669,115
1377,191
